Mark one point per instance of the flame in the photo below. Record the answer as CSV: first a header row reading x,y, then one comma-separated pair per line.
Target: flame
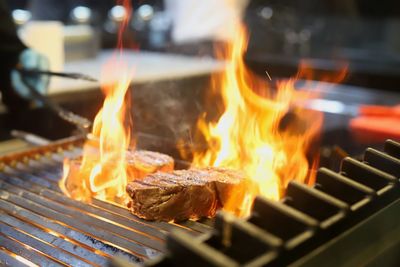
x,y
251,134
102,172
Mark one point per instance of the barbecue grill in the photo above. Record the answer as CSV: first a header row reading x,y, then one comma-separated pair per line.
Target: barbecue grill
x,y
346,218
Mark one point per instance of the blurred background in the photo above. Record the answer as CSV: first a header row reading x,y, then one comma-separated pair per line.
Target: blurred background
x,y
171,43
363,33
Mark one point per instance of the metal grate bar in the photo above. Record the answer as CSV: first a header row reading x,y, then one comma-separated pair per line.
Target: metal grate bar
x,y
36,213
8,259
392,148
163,226
128,222
113,224
43,247
34,179
344,189
61,229
26,252
383,161
236,237
367,175
194,225
297,226
316,204
34,175
83,253
96,232
189,225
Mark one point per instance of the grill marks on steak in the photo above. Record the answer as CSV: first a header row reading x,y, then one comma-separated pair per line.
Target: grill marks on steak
x,y
187,194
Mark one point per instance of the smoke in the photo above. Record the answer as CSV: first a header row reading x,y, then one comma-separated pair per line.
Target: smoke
x,y
169,108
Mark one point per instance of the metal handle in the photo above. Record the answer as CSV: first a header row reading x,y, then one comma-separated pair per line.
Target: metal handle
x,y
82,123
77,76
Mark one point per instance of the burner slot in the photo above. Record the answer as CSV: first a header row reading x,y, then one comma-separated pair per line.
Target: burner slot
x,y
282,221
383,161
344,189
392,148
367,175
316,204
241,240
188,251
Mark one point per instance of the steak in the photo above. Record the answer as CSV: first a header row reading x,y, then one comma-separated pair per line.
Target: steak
x,y
139,164
187,194
143,162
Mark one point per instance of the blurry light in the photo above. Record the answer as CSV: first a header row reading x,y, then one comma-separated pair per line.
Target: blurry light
x,y
330,106
305,35
146,12
266,12
160,22
81,14
21,16
117,13
291,37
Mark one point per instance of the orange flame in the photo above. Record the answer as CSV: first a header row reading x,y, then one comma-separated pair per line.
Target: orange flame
x,y
249,135
102,172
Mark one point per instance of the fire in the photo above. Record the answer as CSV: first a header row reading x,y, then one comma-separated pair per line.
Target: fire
x,y
261,131
102,173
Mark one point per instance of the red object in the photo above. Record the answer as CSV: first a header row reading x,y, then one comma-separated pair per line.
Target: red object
x,y
376,123
372,110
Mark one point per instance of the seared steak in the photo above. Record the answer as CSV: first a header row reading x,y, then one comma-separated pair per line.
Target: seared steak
x,y
140,163
187,194
143,162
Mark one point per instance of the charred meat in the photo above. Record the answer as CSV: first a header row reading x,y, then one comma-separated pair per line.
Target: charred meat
x,y
187,194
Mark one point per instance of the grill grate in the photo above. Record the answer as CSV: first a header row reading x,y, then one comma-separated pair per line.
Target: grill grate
x,y
39,225
353,211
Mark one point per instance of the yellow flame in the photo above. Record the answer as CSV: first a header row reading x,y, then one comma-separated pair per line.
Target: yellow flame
x,y
102,171
247,136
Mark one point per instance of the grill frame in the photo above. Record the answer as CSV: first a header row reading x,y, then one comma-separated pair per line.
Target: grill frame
x,y
320,240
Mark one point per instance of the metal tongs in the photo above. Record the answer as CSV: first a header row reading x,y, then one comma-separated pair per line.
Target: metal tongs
x,y
69,75
83,124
